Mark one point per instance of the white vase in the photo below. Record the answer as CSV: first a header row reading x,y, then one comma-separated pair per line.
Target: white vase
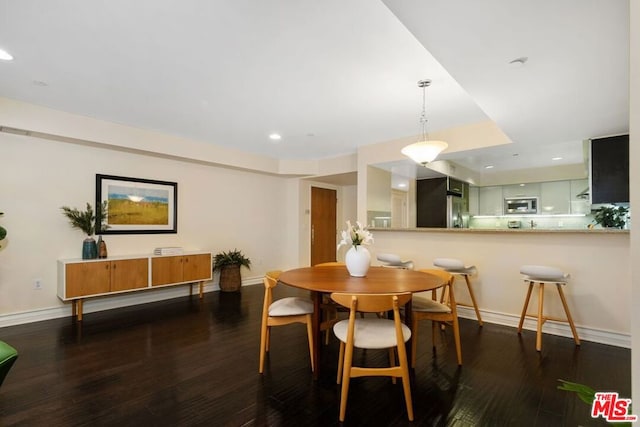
x,y
358,260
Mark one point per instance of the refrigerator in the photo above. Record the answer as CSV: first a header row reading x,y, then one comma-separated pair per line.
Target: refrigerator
x,y
442,203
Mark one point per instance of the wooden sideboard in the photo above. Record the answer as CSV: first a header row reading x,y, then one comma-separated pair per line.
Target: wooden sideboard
x,y
81,278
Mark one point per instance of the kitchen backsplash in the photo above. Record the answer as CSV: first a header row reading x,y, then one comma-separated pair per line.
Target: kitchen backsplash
x,y
533,221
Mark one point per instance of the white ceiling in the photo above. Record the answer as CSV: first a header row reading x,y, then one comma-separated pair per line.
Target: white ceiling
x,y
328,76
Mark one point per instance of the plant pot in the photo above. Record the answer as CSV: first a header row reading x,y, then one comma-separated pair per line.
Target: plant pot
x,y
89,248
230,280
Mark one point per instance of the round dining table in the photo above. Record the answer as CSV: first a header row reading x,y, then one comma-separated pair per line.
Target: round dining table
x,y
321,280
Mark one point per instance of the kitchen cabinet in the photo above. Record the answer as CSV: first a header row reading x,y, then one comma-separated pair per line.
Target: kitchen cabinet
x,y
554,197
531,189
610,169
474,201
490,200
79,279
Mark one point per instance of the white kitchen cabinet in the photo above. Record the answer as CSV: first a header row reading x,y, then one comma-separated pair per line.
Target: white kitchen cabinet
x,y
580,196
490,200
473,201
554,197
531,189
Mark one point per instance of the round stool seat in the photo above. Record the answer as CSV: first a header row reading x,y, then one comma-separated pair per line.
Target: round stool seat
x,y
458,268
543,273
454,266
393,260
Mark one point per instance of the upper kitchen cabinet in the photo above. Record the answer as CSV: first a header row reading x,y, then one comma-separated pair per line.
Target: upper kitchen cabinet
x,y
490,200
531,189
555,197
610,169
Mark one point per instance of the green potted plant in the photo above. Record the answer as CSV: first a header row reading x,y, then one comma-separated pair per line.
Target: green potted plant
x,y
611,216
229,263
86,221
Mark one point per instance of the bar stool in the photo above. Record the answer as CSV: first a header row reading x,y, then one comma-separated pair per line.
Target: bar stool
x,y
457,268
540,274
393,260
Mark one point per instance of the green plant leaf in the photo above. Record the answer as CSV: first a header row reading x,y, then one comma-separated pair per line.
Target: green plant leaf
x,y
234,257
585,393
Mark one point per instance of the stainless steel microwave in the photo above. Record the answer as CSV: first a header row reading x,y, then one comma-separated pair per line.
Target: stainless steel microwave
x,y
521,205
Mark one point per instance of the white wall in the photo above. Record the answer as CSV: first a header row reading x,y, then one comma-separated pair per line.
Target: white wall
x,y
218,209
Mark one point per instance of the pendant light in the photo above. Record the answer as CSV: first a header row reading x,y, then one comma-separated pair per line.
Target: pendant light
x,y
424,151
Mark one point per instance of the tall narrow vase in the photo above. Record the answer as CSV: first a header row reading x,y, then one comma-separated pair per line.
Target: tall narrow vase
x,y
358,260
89,248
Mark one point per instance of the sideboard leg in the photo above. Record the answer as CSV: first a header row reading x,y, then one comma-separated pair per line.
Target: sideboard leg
x,y
201,284
79,308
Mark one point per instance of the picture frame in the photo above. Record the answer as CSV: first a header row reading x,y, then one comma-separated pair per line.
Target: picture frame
x,y
136,205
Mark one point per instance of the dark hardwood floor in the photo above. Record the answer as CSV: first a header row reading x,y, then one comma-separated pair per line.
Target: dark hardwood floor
x,y
185,362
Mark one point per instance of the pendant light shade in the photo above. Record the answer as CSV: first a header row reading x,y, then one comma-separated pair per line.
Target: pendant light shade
x,y
424,151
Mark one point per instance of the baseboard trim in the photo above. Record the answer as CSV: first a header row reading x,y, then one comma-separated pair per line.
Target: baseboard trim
x,y
92,305
550,327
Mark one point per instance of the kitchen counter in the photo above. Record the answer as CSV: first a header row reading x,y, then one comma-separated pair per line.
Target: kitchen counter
x,y
597,259
509,230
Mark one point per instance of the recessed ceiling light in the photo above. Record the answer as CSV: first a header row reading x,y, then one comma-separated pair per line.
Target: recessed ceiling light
x,y
275,137
5,56
489,167
522,185
402,185
556,158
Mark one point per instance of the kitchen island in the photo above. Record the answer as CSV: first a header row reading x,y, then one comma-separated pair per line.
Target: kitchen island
x,y
598,293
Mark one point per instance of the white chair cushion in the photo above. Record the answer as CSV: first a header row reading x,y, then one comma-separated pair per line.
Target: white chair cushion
x,y
544,273
454,265
371,333
424,304
291,306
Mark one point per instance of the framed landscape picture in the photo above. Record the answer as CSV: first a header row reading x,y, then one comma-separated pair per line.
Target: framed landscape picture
x,y
136,206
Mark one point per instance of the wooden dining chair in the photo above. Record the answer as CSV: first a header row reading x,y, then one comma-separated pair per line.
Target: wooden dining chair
x,y
283,311
372,333
329,308
425,306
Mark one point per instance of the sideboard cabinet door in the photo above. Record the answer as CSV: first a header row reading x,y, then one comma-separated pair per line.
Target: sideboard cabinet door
x,y
87,278
129,274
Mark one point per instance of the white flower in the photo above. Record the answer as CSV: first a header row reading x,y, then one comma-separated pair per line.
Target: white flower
x,y
355,236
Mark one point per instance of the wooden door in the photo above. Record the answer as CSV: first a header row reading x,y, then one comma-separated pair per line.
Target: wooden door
x,y
87,278
323,225
196,268
129,274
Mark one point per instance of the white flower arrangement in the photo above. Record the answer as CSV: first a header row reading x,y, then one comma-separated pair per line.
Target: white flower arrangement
x,y
355,236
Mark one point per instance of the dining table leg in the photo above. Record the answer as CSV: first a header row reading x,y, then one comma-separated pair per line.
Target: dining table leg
x,y
317,320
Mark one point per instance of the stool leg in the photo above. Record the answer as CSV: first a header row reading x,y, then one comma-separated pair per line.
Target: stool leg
x,y
540,319
568,313
473,299
526,305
